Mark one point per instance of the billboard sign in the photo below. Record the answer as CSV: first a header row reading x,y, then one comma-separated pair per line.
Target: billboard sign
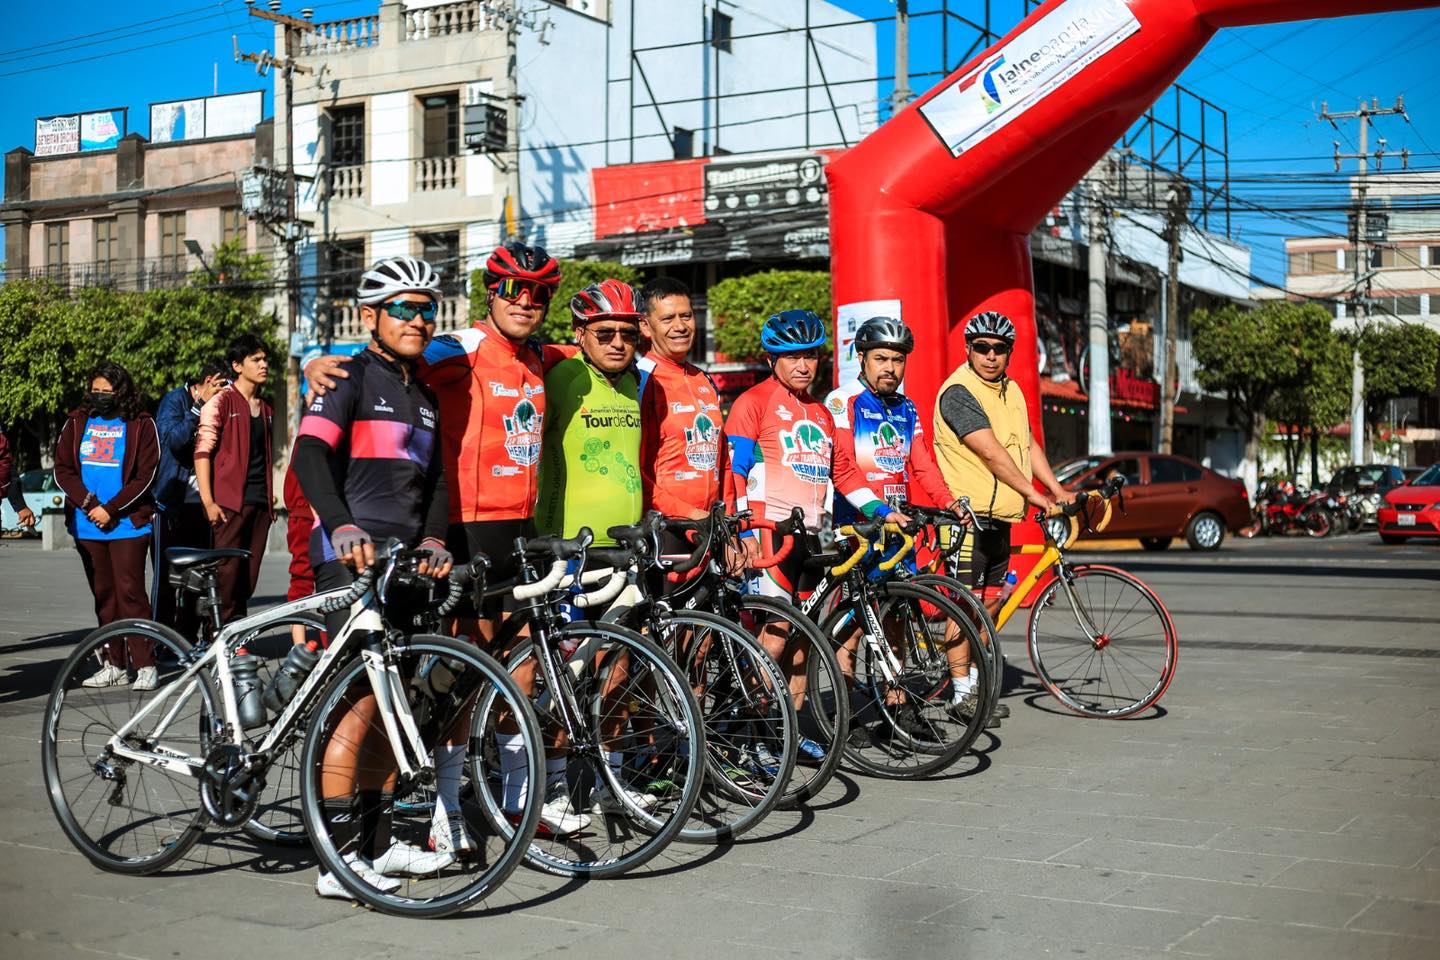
x,y
763,186
76,132
177,120
57,135
233,114
1011,79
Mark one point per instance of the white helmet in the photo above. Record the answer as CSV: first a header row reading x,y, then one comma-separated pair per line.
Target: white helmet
x,y
392,275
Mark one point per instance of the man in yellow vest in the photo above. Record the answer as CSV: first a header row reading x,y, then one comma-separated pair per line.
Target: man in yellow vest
x,y
987,453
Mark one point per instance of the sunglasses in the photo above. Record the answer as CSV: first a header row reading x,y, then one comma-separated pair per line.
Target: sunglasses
x,y
510,288
608,334
409,310
987,347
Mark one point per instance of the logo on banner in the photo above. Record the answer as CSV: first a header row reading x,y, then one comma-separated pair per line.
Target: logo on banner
x,y
989,93
522,434
806,451
702,443
889,447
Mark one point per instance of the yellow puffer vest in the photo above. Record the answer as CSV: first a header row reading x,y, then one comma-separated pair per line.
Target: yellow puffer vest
x,y
964,471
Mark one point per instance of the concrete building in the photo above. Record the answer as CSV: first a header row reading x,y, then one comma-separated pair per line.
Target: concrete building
x,y
121,216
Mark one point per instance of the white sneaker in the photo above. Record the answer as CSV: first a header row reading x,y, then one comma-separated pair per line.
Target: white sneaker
x,y
146,678
327,885
448,836
604,801
558,816
407,860
109,676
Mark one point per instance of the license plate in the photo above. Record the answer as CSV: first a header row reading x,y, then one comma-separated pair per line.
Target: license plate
x,y
1405,520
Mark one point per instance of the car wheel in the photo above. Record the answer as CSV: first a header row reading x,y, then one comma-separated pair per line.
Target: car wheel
x,y
1156,543
1392,539
1206,531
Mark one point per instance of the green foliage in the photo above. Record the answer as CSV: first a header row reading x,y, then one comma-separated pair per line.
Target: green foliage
x,y
1400,361
740,305
575,275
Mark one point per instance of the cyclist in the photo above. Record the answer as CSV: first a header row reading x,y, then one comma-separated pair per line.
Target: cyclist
x,y
781,440
986,452
880,451
366,461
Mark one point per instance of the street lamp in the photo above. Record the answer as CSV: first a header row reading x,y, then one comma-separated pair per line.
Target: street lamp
x,y
199,254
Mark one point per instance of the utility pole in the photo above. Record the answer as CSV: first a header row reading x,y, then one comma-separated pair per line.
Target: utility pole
x,y
1360,268
1177,203
291,234
507,13
1099,321
902,94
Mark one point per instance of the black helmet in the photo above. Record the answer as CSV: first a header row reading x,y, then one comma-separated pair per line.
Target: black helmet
x,y
791,331
990,324
884,332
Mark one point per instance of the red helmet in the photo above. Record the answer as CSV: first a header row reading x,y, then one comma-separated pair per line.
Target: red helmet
x,y
608,298
514,259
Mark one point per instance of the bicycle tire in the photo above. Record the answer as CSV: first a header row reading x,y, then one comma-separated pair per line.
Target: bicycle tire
x,y
1072,665
672,700
990,647
878,744
438,892
178,829
824,717
726,808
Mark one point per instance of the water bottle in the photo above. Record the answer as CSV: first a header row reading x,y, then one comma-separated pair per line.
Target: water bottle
x,y
1010,580
292,673
245,670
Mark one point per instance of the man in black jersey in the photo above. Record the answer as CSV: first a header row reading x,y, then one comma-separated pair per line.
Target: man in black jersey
x,y
367,460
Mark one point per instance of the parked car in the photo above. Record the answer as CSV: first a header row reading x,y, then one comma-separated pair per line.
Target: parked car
x,y
1165,497
1412,472
1412,510
1367,483
40,491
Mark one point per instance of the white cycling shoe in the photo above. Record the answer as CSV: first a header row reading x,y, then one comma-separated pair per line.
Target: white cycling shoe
x,y
107,676
603,800
407,860
328,885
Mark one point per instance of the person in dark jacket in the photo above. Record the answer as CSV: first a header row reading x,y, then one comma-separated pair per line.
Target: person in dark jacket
x,y
233,457
10,485
182,520
106,461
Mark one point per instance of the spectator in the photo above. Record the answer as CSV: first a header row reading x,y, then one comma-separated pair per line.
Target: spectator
x,y
299,522
105,461
182,520
233,458
10,485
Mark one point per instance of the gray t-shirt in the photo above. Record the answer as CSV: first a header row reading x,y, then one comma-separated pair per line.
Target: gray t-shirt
x,y
962,412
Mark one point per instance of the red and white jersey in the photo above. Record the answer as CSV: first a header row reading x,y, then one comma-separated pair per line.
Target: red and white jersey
x,y
780,445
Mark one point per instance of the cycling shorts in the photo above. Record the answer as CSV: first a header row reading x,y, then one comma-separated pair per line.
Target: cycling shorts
x,y
792,579
985,559
496,540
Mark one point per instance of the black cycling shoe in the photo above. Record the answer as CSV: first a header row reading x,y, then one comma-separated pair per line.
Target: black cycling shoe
x,y
908,721
1001,711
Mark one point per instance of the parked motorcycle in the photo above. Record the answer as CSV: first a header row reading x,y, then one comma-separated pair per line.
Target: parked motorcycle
x,y
1282,508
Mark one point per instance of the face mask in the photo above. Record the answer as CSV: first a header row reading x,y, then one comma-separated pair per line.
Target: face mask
x,y
102,404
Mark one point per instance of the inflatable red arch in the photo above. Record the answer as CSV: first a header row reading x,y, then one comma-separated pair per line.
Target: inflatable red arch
x,y
935,208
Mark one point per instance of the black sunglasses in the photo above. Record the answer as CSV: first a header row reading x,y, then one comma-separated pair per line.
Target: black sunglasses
x,y
608,334
987,347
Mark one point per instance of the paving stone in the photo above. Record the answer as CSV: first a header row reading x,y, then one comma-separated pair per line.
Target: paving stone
x,y
1416,918
1378,881
1398,851
1242,900
1224,937
1175,861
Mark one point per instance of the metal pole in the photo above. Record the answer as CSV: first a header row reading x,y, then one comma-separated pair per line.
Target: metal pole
x,y
902,93
1099,323
512,115
292,262
1178,198
1357,301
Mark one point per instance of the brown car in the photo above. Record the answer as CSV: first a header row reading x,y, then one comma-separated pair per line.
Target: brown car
x,y
1165,497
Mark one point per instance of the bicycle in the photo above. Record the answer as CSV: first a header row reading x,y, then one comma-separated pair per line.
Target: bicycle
x,y
1094,662
158,772
602,693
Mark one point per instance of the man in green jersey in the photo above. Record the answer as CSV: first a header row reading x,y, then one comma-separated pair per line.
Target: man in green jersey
x,y
590,460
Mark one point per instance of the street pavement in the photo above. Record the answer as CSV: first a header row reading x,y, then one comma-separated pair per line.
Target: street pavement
x,y
1284,801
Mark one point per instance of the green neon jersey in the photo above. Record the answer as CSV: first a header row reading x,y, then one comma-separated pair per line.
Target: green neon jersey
x,y
590,459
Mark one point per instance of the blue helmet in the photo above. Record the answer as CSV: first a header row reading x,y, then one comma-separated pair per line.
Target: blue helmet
x,y
791,331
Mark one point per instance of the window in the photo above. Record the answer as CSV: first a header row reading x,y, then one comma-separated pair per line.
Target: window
x,y
441,124
347,136
1129,469
57,248
344,262
232,225
1434,257
107,245
720,30
443,252
684,143
1313,261
1403,306
1166,470
172,243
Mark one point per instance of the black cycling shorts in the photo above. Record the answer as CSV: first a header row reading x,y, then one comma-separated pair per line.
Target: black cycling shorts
x,y
989,559
793,578
496,540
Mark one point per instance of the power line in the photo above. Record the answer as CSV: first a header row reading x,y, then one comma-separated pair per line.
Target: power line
x,y
68,41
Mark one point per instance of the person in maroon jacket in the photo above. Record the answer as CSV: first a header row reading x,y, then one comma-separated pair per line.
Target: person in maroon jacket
x,y
105,461
233,457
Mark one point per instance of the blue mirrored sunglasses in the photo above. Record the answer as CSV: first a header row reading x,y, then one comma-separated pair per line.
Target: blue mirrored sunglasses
x,y
407,310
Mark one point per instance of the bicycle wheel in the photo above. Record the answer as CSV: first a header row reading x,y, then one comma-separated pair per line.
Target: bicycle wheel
x,y
123,815
399,842
635,705
823,711
902,723
278,817
1110,648
961,595
751,732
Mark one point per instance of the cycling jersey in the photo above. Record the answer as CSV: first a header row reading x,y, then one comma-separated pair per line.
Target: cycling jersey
x,y
590,472
682,458
780,445
366,456
880,451
493,395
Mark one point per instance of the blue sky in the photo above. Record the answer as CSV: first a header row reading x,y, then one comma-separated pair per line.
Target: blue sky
x,y
1269,80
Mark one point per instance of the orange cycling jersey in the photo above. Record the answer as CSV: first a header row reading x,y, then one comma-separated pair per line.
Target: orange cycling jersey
x,y
682,451
492,395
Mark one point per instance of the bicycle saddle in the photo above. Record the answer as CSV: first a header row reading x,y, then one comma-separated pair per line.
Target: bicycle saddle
x,y
185,558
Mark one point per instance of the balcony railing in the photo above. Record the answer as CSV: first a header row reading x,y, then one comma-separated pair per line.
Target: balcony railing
x,y
468,16
436,173
337,35
346,325
156,273
346,183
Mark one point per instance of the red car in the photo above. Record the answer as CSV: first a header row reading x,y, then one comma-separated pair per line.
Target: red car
x,y
1413,509
1165,497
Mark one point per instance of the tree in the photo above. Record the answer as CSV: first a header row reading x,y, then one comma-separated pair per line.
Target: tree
x,y
1263,360
1317,402
575,275
1400,361
740,305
